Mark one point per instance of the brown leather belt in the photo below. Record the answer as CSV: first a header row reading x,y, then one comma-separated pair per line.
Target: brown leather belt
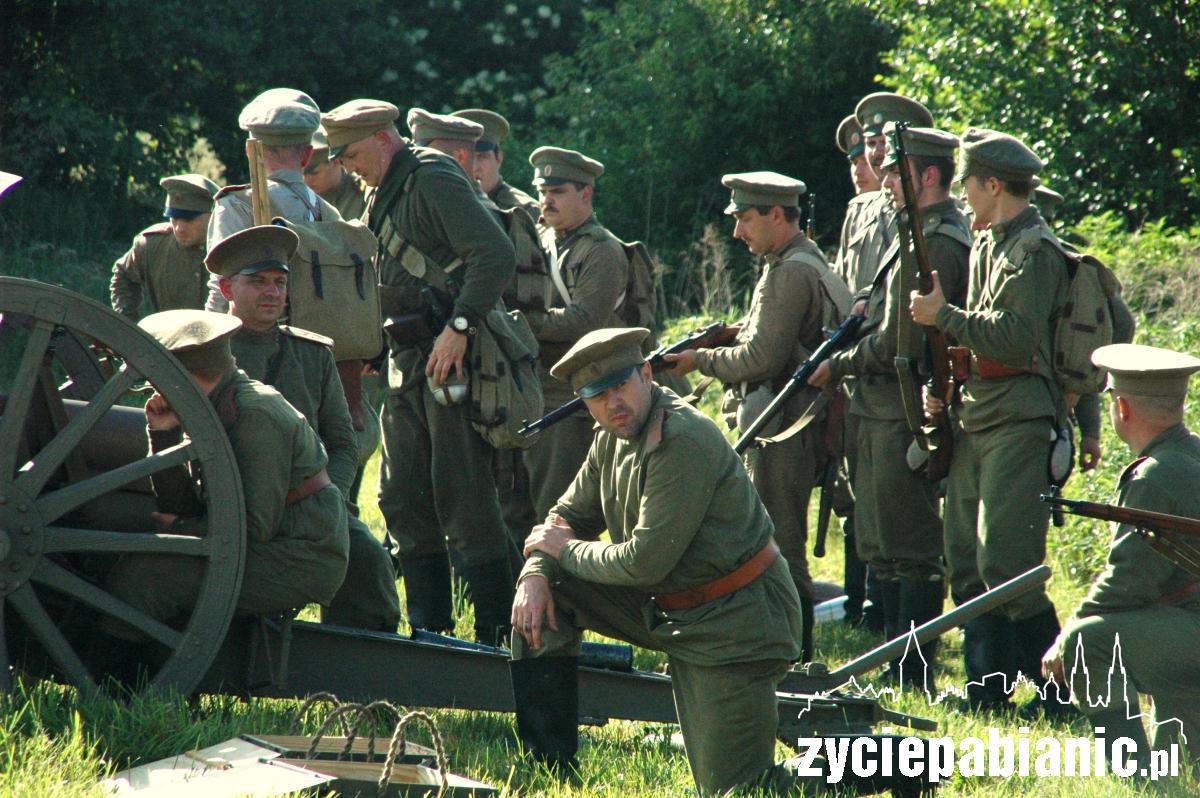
x,y
737,579
308,487
964,362
1179,595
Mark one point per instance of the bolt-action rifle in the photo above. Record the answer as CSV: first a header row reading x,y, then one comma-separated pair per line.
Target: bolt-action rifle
x,y
843,335
933,434
1157,529
714,335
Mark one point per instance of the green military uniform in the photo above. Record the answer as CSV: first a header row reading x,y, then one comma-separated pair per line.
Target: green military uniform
x,y
995,526
296,552
507,196
1142,599
436,476
680,513
171,275
589,272
349,195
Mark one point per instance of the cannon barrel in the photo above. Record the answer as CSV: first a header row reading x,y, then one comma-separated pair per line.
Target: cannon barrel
x,y
816,679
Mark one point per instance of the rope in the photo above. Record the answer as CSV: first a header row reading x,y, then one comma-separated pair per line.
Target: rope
x,y
309,703
399,744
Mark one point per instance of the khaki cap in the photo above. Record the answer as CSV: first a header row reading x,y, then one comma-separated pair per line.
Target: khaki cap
x,y
850,137
427,126
199,338
495,127
601,359
280,117
355,121
188,196
922,141
554,165
1141,370
253,250
997,154
875,110
750,189
1046,197
320,145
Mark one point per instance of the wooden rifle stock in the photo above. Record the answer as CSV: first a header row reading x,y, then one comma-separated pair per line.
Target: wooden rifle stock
x,y
938,433
1150,525
714,335
260,200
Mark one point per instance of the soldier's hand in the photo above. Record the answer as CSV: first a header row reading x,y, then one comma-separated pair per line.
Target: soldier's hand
x,y
1052,665
159,415
1089,453
821,376
925,307
164,521
448,352
533,605
684,361
549,538
859,308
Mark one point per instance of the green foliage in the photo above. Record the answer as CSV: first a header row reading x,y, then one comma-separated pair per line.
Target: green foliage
x,y
670,95
1097,88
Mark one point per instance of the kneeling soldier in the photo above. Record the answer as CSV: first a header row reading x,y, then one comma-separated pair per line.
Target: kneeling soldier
x,y
692,570
1142,600
296,545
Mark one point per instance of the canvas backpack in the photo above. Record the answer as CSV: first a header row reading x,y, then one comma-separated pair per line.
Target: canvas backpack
x,y
333,286
530,287
638,304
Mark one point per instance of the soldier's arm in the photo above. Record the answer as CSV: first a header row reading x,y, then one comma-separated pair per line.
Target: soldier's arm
x,y
175,490
231,214
675,498
1136,575
950,259
125,288
263,448
450,206
1013,329
581,508
334,426
789,295
875,352
603,274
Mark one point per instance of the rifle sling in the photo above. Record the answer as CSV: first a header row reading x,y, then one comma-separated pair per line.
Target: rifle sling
x,y
810,414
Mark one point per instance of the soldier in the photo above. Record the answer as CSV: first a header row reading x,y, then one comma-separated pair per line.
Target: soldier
x,y
451,135
1142,600
435,479
295,517
692,570
795,298
899,531
1010,410
252,265
284,120
589,271
167,259
489,158
332,183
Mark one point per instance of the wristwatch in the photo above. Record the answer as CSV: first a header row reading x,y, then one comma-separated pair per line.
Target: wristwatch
x,y
461,324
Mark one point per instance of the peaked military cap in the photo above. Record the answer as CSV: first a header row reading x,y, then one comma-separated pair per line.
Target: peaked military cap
x,y
997,154
495,127
356,120
554,165
1046,197
850,137
8,180
427,126
252,250
875,110
320,145
601,359
1146,370
188,196
749,189
281,117
924,141
199,338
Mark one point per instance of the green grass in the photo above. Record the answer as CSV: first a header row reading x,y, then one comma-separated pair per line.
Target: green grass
x,y
53,742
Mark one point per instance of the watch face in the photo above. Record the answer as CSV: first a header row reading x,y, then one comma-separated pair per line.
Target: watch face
x,y
460,323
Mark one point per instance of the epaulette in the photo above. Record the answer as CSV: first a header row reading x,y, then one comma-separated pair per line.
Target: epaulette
x,y
1131,469
157,229
231,189
305,335
227,408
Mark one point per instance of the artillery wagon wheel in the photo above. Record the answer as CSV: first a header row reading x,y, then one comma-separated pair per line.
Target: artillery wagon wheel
x,y
74,492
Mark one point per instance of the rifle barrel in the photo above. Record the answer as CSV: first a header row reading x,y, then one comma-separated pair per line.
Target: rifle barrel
x,y
1126,515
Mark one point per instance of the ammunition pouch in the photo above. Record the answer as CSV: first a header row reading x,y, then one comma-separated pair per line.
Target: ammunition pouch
x,y
409,329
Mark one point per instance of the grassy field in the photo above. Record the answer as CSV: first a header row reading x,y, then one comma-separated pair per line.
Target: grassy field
x,y
55,743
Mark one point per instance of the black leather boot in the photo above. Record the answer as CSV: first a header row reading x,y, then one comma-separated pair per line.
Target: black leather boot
x,y
854,575
808,616
988,654
1033,637
427,592
490,587
873,618
546,697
